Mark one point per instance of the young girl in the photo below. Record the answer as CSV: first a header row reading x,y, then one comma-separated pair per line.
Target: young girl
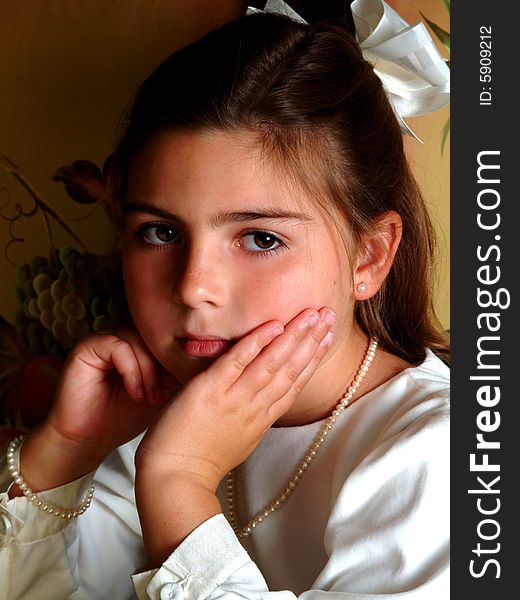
x,y
276,423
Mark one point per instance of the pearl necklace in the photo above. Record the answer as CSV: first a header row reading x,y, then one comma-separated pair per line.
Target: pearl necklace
x,y
245,530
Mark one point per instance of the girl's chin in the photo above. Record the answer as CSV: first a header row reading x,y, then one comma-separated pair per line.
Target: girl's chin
x,y
184,370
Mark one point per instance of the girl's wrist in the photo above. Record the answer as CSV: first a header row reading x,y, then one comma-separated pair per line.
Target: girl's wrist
x,y
48,460
159,498
178,470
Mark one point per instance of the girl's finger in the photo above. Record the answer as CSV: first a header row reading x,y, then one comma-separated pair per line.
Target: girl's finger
x,y
231,366
280,365
148,366
281,406
112,352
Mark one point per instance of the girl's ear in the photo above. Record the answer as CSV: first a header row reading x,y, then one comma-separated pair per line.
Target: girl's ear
x,y
375,260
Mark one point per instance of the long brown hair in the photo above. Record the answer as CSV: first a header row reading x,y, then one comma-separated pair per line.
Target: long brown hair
x,y
318,109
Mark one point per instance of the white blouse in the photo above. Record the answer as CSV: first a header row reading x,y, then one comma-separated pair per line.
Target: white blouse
x,y
369,520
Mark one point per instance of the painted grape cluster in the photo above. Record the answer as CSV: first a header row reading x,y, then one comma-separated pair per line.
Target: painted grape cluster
x,y
65,297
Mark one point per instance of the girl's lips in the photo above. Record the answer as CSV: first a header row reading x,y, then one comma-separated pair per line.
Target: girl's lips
x,y
204,347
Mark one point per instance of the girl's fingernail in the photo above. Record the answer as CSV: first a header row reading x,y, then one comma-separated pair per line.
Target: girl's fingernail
x,y
329,318
139,391
327,340
312,319
277,330
268,335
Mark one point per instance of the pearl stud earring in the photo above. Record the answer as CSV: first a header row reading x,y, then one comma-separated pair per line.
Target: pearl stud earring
x,y
362,287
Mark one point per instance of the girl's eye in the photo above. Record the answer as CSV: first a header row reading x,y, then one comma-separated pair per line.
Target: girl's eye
x,y
262,241
158,234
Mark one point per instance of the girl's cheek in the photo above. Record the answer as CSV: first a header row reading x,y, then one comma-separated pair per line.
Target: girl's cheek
x,y
277,299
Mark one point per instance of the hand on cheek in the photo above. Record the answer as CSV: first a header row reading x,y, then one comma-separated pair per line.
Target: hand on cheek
x,y
218,418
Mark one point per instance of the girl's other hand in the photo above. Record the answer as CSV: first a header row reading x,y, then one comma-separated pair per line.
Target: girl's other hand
x,y
110,389
218,418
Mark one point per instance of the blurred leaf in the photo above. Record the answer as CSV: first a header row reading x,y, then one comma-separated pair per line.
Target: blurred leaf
x,y
443,35
445,131
83,181
13,350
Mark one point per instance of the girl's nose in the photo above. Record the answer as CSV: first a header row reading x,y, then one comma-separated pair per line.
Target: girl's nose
x,y
199,280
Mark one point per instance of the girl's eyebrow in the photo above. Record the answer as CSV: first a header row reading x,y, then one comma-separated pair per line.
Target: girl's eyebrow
x,y
224,217
138,207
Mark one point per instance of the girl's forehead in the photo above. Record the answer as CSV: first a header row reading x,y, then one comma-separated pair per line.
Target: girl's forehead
x,y
219,168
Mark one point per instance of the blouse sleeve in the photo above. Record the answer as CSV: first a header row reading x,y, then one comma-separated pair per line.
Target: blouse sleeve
x,y
44,556
387,536
37,549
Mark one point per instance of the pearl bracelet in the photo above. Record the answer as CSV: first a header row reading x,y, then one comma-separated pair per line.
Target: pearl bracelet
x,y
13,460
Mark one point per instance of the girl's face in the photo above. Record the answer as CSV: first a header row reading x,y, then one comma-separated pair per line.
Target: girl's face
x,y
217,243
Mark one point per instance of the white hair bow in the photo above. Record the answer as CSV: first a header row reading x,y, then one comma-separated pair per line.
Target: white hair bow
x,y
405,58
